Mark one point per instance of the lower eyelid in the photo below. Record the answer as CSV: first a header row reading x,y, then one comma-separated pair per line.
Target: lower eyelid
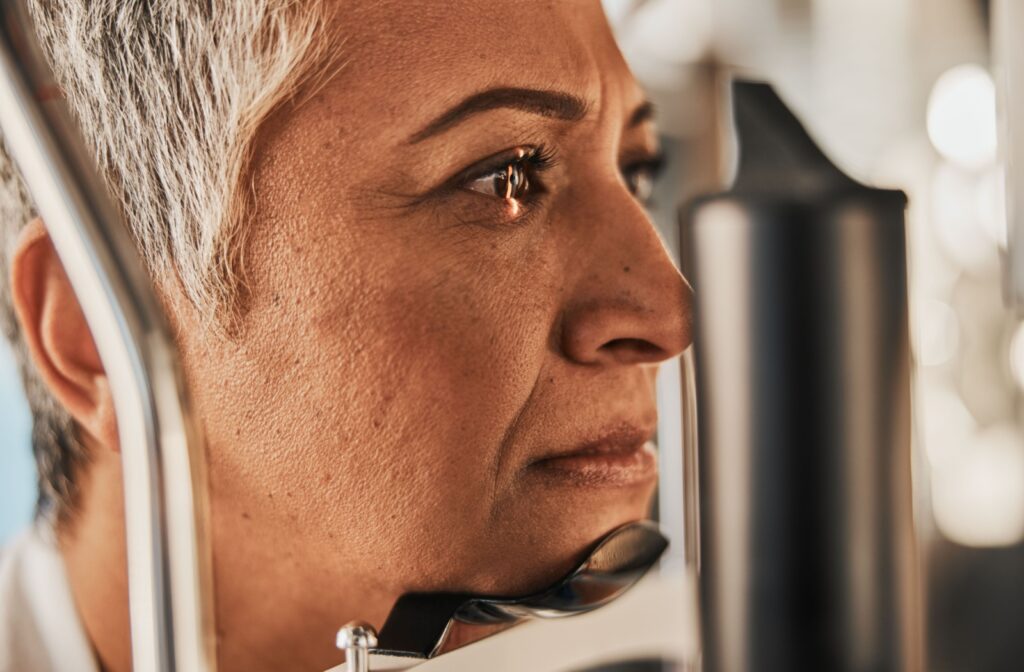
x,y
495,213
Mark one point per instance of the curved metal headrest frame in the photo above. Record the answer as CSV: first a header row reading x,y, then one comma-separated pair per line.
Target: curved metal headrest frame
x,y
166,515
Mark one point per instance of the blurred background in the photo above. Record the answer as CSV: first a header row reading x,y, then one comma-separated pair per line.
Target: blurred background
x,y
901,94
17,470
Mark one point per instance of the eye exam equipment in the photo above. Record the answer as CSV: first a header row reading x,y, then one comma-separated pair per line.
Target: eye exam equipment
x,y
1009,69
169,570
419,622
807,558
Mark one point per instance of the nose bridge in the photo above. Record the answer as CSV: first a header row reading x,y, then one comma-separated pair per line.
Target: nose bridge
x,y
629,302
625,248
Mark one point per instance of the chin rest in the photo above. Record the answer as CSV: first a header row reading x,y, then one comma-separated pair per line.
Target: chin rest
x,y
419,622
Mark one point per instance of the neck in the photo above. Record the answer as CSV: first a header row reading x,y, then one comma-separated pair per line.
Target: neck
x,y
276,609
93,545
265,617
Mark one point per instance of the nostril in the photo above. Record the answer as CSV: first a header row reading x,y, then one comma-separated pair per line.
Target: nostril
x,y
634,350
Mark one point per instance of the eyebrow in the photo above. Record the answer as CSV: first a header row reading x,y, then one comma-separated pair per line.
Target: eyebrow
x,y
552,104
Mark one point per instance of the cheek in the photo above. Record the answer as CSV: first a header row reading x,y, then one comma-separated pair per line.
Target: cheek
x,y
380,395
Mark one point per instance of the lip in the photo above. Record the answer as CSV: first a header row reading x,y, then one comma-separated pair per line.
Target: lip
x,y
621,457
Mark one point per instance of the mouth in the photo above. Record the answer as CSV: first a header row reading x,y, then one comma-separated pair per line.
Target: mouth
x,y
622,457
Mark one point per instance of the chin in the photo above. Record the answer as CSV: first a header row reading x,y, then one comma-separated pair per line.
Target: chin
x,y
556,530
581,501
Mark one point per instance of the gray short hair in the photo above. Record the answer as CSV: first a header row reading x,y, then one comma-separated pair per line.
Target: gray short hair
x,y
170,95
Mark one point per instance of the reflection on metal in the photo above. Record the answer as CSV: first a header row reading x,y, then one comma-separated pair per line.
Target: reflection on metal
x,y
639,665
1008,58
806,539
656,618
419,622
164,479
677,462
356,639
691,473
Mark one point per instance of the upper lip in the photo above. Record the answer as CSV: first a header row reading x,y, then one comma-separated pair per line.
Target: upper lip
x,y
620,438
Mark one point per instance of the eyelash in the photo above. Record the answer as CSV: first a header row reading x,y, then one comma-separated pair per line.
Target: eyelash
x,y
652,167
518,168
530,162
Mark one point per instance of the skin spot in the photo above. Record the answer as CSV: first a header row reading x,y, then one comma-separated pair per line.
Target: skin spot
x,y
626,269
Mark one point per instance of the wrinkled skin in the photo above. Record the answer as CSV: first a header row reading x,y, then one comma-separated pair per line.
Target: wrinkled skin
x,y
413,346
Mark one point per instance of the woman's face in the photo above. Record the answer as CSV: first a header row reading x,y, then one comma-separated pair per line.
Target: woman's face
x,y
451,279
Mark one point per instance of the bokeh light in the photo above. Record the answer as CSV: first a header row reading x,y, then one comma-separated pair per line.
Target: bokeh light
x,y
947,426
936,333
1017,355
990,202
962,116
962,235
978,495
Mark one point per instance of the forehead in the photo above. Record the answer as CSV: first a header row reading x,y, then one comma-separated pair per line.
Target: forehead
x,y
439,52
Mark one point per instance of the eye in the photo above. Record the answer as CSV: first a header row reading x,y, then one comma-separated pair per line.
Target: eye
x,y
511,181
641,175
511,175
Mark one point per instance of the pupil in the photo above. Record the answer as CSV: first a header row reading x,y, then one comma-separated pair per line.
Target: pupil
x,y
510,182
518,180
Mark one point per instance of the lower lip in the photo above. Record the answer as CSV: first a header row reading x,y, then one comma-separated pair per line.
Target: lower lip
x,y
620,468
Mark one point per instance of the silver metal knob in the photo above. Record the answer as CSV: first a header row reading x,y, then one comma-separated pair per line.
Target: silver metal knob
x,y
356,639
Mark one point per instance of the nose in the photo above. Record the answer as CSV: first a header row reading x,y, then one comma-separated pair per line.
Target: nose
x,y
630,304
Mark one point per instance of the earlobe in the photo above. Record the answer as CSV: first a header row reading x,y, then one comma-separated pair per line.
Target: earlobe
x,y
57,335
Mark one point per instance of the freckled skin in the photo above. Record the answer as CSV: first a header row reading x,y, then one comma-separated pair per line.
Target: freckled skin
x,y
407,355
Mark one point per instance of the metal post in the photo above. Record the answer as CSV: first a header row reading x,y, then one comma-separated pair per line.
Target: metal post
x,y
356,639
164,469
803,370
1008,61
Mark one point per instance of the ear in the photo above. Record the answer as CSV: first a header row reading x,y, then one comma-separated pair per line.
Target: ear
x,y
58,337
